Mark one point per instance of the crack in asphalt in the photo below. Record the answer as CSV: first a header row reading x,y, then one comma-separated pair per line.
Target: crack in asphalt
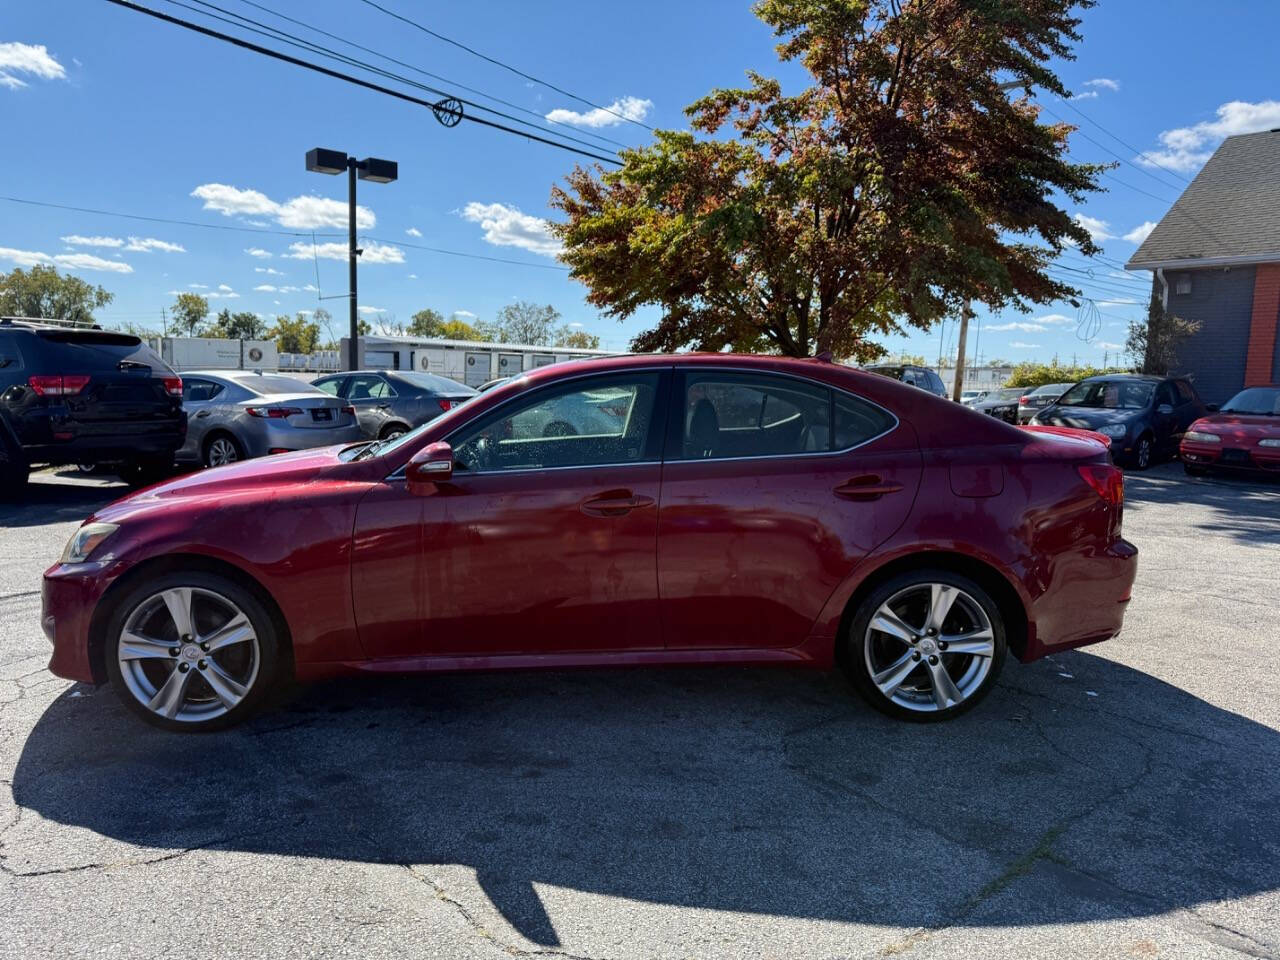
x,y
112,865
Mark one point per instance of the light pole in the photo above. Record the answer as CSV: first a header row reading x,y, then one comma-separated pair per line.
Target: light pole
x,y
334,162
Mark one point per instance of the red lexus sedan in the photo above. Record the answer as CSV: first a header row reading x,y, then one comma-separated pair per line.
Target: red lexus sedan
x,y
636,510
1243,435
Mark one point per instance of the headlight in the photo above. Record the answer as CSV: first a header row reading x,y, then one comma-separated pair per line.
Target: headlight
x,y
1270,442
1113,430
1195,436
85,540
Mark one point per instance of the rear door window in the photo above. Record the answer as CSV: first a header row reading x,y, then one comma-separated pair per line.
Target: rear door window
x,y
752,415
10,357
367,387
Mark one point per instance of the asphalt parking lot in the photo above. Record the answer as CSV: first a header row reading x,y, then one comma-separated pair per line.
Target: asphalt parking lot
x,y
1122,801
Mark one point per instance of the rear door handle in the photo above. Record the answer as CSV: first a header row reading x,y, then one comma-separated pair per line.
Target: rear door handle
x,y
615,505
867,487
202,413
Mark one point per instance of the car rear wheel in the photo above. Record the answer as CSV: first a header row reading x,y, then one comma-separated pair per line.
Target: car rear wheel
x,y
926,645
13,480
221,449
140,473
1142,453
191,651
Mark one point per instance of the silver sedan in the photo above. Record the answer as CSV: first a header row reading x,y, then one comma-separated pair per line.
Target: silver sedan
x,y
236,414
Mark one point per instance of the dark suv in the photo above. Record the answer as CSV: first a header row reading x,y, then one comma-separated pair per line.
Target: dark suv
x,y
921,377
75,395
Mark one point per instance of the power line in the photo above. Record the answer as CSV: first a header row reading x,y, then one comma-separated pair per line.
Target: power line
x,y
292,40
1123,143
181,223
415,69
338,75
1118,156
505,66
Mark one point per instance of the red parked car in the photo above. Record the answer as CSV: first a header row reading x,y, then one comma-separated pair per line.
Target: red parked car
x,y
699,509
1243,435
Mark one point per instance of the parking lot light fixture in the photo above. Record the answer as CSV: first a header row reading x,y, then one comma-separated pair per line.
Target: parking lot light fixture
x,y
333,162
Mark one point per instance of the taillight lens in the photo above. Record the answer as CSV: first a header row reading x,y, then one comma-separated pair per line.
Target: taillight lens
x,y
272,413
1106,479
173,386
349,410
1024,400
58,385
445,404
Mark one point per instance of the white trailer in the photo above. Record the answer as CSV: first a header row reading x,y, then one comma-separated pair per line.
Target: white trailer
x,y
472,362
208,353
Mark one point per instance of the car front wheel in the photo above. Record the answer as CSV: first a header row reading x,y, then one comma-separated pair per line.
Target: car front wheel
x,y
191,651
1142,452
925,645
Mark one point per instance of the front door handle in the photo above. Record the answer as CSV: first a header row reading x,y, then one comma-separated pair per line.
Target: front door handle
x,y
615,504
867,487
202,413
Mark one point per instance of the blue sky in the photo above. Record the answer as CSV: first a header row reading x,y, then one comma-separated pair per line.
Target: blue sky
x,y
109,110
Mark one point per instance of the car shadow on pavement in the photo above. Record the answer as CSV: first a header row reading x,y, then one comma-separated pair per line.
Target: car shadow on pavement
x,y
48,499
767,792
1245,507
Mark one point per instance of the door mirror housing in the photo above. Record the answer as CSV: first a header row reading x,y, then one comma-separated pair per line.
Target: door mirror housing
x,y
1164,408
431,465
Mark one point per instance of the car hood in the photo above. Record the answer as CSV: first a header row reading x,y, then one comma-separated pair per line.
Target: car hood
x,y
251,479
1086,418
1239,426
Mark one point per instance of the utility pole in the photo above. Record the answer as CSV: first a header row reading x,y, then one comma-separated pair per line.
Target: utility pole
x,y
958,386
164,322
353,344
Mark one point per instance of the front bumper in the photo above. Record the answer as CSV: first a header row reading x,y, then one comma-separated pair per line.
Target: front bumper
x,y
69,595
1228,457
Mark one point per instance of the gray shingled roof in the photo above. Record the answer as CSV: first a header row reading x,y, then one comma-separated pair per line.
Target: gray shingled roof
x,y
1231,209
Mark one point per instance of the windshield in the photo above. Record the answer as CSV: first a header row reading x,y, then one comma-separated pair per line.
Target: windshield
x,y
435,384
1257,401
380,447
1109,394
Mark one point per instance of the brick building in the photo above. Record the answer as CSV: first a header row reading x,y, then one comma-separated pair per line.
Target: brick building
x,y
1215,258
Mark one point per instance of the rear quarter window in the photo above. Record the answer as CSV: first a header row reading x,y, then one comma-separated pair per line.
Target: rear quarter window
x,y
10,355
857,421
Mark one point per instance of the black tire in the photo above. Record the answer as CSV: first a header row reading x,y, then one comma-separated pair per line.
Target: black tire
x,y
220,437
268,648
1144,452
392,430
146,471
854,656
1195,471
13,481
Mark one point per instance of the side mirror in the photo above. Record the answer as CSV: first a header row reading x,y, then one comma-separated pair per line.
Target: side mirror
x,y
1211,407
431,465
1164,408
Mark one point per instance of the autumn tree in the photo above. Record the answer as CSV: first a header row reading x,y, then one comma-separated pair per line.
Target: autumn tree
x,y
42,292
189,311
568,336
456,328
902,184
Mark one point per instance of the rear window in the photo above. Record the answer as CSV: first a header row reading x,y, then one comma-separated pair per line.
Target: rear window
x,y
89,351
263,385
435,384
95,337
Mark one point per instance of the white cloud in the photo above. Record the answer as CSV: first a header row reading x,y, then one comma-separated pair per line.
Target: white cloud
x,y
198,286
258,252
1055,320
270,271
1018,325
625,108
299,213
367,311
76,240
223,287
147,244
1118,302
1087,95
413,276
290,289
464,313
311,288
1106,345
1140,233
68,261
1187,148
374,252
1023,345
414,232
32,59
1099,230
507,227
264,288
1105,83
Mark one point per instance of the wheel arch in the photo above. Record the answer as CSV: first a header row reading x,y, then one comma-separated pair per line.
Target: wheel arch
x,y
212,434
1012,609
180,561
393,425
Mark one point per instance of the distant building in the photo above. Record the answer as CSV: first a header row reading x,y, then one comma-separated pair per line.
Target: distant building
x,y
1215,258
472,362
976,377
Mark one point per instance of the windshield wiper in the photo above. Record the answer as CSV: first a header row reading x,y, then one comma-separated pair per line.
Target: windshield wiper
x,y
370,450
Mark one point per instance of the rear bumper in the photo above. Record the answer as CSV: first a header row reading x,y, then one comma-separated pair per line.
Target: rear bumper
x,y
1088,603
100,449
273,436
69,596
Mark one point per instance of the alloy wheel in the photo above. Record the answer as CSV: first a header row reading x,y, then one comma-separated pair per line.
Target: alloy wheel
x,y
1144,453
222,451
188,654
929,647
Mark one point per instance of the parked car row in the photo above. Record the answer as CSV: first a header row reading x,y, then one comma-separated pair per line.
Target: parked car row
x,y
104,400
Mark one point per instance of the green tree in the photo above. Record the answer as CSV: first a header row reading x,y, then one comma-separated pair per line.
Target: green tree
x,y
426,323
1039,374
455,328
43,292
568,336
900,186
1153,344
238,326
296,334
525,322
189,311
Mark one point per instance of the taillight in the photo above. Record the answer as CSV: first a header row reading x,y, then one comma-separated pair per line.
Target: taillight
x,y
1106,479
173,386
349,410
1024,400
445,404
58,385
272,413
